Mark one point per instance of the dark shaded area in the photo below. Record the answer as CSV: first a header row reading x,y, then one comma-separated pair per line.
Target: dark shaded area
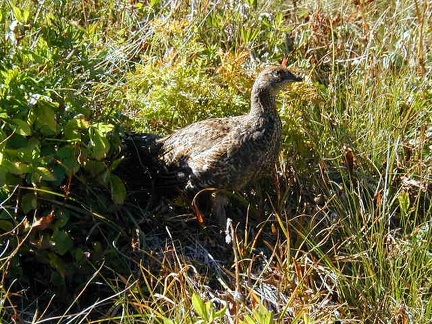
x,y
146,177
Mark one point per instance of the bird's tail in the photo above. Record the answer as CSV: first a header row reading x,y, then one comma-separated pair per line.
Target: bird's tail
x,y
144,172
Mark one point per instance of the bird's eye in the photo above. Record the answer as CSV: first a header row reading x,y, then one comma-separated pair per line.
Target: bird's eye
x,y
278,73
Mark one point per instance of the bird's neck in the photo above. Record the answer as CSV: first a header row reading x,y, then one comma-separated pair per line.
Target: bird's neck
x,y
263,102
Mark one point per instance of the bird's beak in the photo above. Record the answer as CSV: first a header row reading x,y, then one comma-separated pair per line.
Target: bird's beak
x,y
297,78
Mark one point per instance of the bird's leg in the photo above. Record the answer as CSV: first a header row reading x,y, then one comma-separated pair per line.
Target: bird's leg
x,y
220,201
197,211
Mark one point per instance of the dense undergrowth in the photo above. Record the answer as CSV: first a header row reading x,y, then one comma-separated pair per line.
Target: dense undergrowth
x,y
342,231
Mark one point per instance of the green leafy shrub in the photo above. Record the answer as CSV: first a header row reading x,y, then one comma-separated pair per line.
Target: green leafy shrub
x,y
56,158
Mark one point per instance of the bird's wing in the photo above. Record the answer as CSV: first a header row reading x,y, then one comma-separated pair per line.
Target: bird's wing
x,y
197,139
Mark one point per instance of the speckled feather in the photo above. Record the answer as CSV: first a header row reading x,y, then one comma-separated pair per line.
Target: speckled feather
x,y
227,153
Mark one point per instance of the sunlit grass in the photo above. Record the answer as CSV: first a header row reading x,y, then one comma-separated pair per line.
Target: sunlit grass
x,y
341,232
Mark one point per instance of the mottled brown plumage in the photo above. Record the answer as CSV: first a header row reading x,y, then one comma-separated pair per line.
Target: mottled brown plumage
x,y
227,153
217,153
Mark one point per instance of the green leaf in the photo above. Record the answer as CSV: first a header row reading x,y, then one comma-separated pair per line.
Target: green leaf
x,y
116,163
199,306
2,169
167,321
22,15
25,15
57,263
72,133
263,315
45,174
249,320
99,144
2,177
79,256
104,128
220,313
5,226
67,156
44,117
16,167
210,311
28,202
98,170
62,218
62,242
154,3
17,12
74,127
22,127
118,189
404,202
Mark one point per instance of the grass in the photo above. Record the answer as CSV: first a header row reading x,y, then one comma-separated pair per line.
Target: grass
x,y
341,232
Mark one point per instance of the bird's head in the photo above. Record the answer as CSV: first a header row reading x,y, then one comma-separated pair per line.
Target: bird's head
x,y
275,78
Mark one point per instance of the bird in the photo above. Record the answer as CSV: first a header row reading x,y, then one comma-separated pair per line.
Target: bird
x,y
220,154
